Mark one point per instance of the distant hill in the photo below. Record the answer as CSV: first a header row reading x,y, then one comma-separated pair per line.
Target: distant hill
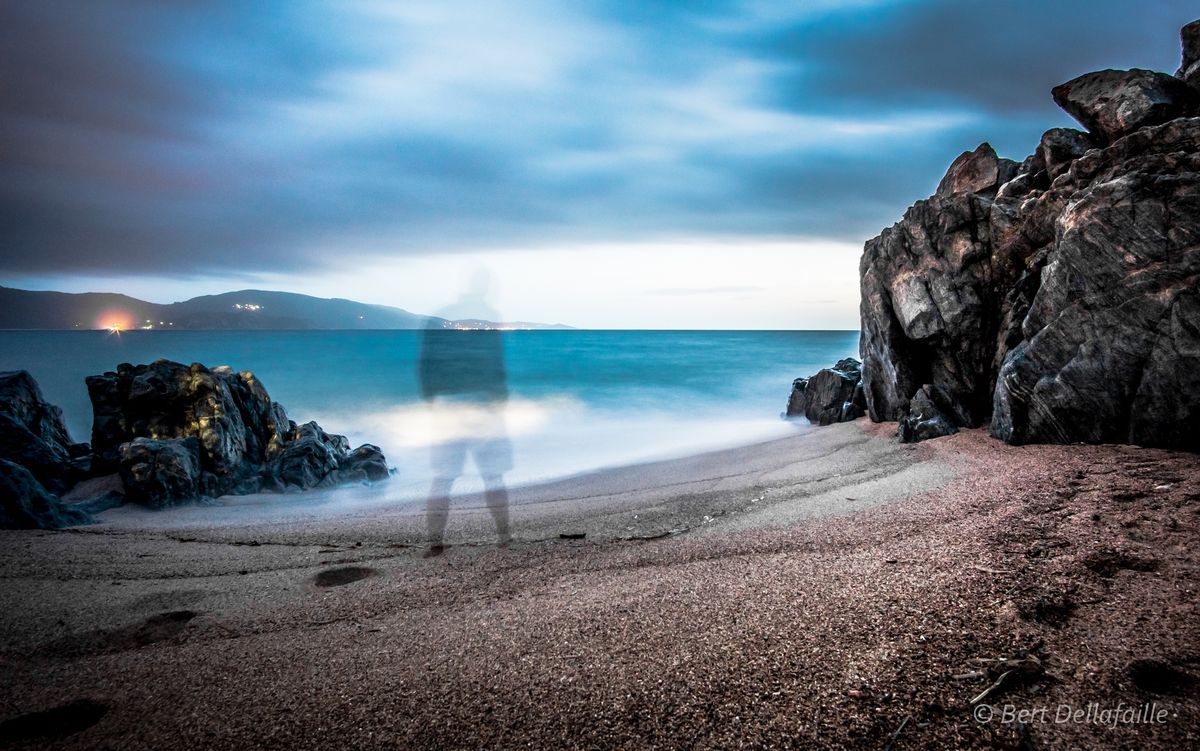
x,y
246,309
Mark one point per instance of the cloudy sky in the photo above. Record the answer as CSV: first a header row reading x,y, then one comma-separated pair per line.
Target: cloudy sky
x,y
616,164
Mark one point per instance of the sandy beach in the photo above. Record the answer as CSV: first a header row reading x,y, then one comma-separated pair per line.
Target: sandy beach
x,y
831,589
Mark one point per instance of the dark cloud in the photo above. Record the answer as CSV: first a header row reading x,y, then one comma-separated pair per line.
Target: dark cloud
x,y
196,137
1001,57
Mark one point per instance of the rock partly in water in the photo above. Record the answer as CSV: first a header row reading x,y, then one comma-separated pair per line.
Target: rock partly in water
x,y
159,473
924,418
364,464
26,504
244,441
237,425
310,458
1060,308
1115,103
832,395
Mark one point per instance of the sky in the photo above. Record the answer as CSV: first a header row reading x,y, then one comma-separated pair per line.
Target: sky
x,y
614,163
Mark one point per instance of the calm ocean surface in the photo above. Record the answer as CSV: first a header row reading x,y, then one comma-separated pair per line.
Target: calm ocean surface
x,y
579,400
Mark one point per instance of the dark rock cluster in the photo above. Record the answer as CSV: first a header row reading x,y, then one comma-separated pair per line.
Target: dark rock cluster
x,y
173,433
832,395
37,458
1055,300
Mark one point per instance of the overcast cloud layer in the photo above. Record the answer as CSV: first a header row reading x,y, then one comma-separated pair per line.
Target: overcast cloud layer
x,y
191,137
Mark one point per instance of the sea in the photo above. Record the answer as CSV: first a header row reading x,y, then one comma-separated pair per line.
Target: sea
x,y
578,400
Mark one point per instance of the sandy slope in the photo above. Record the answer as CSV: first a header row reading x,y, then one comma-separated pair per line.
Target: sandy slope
x,y
768,617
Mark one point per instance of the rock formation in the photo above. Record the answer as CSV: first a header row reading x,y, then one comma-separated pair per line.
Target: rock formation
x,y
37,458
173,433
1189,71
832,395
26,504
1055,300
178,432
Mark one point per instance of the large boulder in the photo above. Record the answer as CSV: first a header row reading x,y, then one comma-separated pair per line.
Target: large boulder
x,y
244,441
230,414
158,473
1063,306
832,395
26,504
931,293
1114,103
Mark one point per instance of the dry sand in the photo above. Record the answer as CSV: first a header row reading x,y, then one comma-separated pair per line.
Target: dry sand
x,y
835,589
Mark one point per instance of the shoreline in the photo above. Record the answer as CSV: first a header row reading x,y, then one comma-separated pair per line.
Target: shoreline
x,y
778,622
791,475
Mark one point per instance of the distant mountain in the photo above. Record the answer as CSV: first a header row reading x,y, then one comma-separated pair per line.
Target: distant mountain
x,y
246,309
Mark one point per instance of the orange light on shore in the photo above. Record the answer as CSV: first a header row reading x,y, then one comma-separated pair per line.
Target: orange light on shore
x,y
115,320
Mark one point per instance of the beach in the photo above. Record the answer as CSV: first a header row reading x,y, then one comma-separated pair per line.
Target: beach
x,y
831,589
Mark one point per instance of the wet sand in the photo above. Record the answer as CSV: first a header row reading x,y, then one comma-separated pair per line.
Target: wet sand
x,y
835,589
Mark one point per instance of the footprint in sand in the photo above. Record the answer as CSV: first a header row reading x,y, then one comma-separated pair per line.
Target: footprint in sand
x,y
57,722
1159,677
156,628
336,577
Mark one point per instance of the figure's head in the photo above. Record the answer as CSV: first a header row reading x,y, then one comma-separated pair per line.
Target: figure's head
x,y
479,283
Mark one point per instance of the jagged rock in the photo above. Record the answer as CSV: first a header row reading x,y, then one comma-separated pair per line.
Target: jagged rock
x,y
309,457
925,419
1062,308
245,441
857,406
26,504
21,397
832,395
170,400
158,473
364,464
33,435
1114,103
796,400
1060,147
1112,333
1189,71
46,462
931,294
237,425
978,171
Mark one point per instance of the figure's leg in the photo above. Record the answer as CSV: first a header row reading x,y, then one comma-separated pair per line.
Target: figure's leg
x,y
437,510
446,459
496,496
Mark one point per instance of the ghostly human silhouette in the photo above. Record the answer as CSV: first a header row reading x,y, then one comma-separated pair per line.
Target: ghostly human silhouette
x,y
463,378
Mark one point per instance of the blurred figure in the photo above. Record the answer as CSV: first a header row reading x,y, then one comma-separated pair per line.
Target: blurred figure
x,y
463,378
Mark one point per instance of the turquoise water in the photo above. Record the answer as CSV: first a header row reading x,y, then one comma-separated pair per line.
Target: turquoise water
x,y
579,400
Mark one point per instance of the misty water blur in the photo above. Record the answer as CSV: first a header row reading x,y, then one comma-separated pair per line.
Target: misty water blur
x,y
578,400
